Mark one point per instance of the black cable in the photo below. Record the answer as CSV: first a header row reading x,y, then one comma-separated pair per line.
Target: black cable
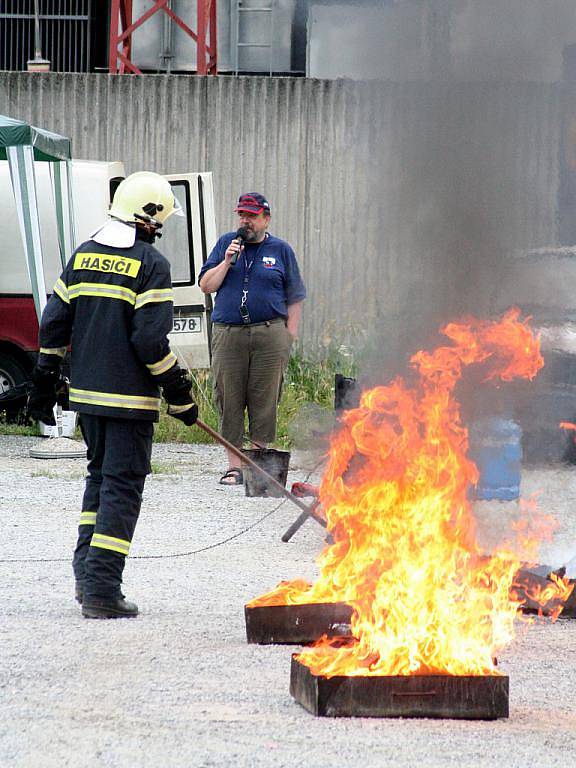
x,y
212,546
172,554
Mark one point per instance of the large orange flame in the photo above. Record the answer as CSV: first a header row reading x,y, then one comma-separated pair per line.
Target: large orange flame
x,y
426,598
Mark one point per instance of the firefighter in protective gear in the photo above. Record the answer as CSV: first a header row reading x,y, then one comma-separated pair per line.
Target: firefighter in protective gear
x,y
113,306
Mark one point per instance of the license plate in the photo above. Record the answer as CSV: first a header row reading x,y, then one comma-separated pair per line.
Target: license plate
x,y
187,324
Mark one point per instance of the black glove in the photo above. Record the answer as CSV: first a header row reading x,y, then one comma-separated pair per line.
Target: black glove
x,y
187,413
177,392
43,395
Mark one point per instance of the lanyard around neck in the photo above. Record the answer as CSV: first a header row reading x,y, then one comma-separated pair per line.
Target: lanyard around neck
x,y
248,264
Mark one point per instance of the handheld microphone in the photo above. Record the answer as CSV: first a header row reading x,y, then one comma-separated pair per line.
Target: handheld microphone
x,y
241,235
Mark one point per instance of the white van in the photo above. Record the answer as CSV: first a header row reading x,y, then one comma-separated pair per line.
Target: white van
x,y
185,242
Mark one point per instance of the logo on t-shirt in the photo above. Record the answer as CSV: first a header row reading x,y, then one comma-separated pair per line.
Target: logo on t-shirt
x,y
268,261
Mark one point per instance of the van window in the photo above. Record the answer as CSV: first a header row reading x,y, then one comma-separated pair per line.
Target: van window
x,y
176,242
114,184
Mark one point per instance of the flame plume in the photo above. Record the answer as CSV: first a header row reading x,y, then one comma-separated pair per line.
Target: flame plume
x,y
426,599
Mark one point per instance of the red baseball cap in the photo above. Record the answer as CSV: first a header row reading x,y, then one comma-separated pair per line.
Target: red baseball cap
x,y
252,202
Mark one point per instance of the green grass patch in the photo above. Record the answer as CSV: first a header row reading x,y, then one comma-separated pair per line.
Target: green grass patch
x,y
171,430
164,468
10,428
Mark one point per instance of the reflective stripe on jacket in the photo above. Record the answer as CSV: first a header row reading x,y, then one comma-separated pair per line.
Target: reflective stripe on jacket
x,y
114,307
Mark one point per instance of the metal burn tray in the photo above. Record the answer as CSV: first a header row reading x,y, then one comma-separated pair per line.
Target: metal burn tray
x,y
436,696
296,624
528,580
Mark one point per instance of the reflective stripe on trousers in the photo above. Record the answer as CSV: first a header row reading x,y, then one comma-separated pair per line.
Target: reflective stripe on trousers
x,y
119,453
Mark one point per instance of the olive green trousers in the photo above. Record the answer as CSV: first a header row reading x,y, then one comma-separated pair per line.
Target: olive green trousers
x,y
248,364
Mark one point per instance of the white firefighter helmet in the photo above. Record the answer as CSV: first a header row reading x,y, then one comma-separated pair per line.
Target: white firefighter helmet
x,y
144,196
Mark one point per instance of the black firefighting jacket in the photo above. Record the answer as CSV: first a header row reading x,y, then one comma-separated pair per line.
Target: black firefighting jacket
x,y
114,307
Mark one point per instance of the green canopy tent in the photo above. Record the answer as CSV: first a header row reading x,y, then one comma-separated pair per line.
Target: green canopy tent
x,y
22,144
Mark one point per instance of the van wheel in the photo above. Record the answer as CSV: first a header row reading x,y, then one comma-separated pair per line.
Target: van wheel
x,y
12,373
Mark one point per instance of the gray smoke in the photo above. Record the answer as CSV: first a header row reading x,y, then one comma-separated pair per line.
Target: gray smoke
x,y
462,168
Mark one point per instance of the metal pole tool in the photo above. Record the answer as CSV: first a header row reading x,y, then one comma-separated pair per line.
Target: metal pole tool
x,y
307,511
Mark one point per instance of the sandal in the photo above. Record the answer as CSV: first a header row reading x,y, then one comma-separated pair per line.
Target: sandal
x,y
233,476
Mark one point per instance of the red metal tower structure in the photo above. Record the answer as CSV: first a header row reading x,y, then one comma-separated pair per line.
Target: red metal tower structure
x,y
122,26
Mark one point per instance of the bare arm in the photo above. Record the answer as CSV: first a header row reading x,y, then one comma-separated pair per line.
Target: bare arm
x,y
294,314
213,278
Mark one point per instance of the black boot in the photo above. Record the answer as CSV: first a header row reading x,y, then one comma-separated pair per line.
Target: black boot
x,y
108,608
79,592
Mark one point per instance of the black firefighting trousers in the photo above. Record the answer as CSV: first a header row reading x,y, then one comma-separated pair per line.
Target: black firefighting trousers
x,y
119,453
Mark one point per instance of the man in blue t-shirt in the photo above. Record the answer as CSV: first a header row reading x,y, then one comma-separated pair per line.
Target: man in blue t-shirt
x,y
259,295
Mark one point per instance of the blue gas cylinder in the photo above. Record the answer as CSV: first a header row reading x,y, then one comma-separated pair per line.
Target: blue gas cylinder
x,y
496,449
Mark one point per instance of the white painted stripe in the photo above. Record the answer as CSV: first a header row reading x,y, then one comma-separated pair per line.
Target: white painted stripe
x,y
70,207
21,163
35,222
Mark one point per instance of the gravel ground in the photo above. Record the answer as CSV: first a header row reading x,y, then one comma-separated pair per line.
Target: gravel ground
x,y
179,686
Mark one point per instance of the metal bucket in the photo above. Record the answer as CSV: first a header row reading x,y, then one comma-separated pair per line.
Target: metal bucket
x,y
274,462
496,449
345,393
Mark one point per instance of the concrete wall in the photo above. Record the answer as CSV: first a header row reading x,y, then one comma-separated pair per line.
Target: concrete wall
x,y
401,200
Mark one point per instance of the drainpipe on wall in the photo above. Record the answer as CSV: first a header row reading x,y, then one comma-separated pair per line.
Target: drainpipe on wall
x,y
167,55
38,63
567,151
